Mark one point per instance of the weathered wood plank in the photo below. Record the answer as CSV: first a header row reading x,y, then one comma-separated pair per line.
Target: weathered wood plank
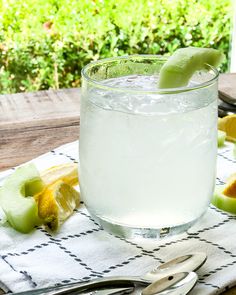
x,y
30,107
227,85
34,123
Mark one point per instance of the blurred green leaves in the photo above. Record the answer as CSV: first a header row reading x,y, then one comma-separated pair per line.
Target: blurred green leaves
x,y
45,43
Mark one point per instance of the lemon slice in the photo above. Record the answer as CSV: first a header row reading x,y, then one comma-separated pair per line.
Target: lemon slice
x,y
228,125
180,67
65,172
57,203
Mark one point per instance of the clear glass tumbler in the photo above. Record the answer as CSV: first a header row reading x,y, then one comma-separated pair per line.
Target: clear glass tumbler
x,y
147,155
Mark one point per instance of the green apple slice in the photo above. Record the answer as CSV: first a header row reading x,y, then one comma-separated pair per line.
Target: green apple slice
x,y
221,138
16,198
180,67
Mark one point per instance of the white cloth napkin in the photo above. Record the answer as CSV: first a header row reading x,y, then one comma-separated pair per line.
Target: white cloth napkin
x,y
81,250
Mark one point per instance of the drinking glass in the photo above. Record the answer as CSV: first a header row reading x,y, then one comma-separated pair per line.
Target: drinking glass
x,y
147,155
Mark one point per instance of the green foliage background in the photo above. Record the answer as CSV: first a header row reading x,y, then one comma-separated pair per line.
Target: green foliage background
x,y
45,43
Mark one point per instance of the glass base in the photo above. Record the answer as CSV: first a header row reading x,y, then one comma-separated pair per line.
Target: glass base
x,y
127,232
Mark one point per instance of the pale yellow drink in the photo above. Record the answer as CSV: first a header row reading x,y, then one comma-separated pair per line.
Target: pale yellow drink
x,y
147,160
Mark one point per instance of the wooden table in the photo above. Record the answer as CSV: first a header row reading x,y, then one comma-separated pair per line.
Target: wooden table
x,y
34,123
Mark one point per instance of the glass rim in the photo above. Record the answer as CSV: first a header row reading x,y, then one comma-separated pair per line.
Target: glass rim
x,y
99,84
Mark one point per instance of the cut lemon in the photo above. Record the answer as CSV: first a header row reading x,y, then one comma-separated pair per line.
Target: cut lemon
x,y
228,125
57,203
65,172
